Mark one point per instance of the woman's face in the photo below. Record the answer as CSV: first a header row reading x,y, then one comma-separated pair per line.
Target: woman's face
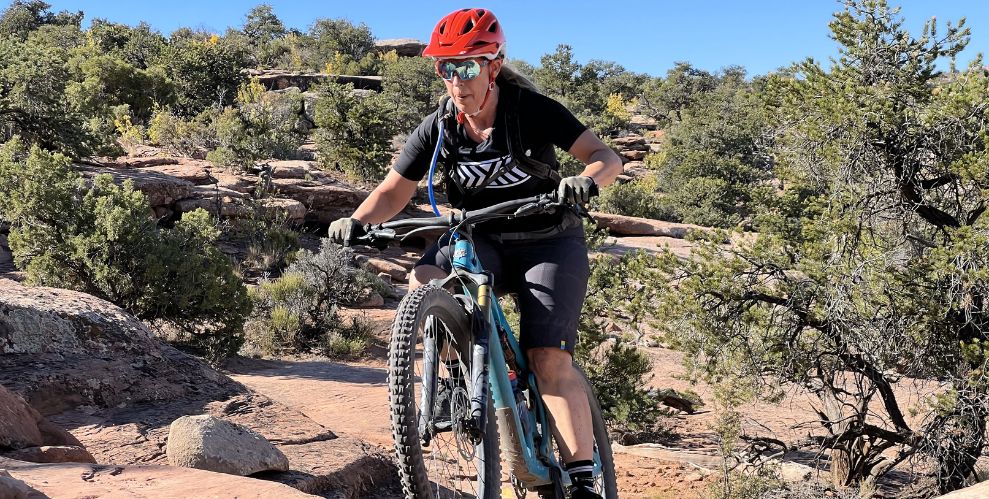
x,y
469,94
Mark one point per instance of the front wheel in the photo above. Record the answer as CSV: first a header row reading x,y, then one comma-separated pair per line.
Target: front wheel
x,y
428,363
605,483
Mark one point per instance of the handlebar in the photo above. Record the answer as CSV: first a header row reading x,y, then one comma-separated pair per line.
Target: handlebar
x,y
379,234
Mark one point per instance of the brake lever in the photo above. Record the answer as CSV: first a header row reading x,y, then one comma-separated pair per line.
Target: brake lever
x,y
378,238
527,209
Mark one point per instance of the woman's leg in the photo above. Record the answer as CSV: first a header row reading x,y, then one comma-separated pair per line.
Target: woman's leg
x,y
550,299
422,274
563,392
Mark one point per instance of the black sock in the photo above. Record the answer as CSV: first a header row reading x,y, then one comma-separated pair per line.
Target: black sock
x,y
581,473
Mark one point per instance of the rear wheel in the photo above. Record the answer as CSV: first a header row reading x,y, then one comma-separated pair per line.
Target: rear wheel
x,y
429,359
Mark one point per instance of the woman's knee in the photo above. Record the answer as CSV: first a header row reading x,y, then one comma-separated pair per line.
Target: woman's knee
x,y
422,274
550,363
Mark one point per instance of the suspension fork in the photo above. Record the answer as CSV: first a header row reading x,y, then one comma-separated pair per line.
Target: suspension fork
x,y
480,326
430,359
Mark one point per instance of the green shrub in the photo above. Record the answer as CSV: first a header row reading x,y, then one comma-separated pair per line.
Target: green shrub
x,y
714,166
99,238
638,198
618,370
299,312
140,46
104,81
34,106
264,30
262,126
206,70
410,83
354,133
187,137
22,17
271,244
340,47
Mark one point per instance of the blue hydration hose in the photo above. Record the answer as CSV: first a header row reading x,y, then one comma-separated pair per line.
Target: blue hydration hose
x,y
432,169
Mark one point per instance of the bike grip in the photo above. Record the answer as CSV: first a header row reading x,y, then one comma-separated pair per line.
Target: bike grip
x,y
594,192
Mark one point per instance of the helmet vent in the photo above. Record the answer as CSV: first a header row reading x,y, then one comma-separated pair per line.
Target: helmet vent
x,y
480,12
493,28
469,26
442,28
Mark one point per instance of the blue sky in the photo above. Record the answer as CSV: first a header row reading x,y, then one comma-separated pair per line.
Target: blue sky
x,y
643,36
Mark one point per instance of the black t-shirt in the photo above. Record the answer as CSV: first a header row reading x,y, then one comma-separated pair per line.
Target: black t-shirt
x,y
543,122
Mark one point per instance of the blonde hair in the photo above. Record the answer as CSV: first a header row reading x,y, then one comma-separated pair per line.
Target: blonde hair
x,y
510,76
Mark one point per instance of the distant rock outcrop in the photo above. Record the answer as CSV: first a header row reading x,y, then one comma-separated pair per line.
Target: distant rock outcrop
x,y
299,190
620,225
404,47
280,79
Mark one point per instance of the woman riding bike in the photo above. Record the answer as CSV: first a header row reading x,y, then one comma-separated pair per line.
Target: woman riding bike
x,y
497,116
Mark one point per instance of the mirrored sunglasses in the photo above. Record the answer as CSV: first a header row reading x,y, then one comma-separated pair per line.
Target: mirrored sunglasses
x,y
465,69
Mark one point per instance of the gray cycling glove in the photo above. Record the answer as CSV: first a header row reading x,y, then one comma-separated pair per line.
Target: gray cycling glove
x,y
345,230
576,190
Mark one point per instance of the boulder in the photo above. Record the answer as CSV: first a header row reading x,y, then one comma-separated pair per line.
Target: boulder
x,y
239,183
655,135
209,443
373,301
12,488
621,225
93,480
642,122
27,436
630,142
195,171
62,349
18,422
294,212
397,271
977,491
299,169
404,47
633,155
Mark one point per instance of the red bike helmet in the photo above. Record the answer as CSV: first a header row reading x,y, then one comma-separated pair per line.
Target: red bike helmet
x,y
466,33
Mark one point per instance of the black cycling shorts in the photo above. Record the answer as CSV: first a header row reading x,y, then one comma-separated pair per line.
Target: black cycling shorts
x,y
549,277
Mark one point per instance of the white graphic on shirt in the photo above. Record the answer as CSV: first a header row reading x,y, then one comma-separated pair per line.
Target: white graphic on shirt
x,y
472,174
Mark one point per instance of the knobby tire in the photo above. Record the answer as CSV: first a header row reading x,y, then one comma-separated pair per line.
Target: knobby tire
x,y
424,476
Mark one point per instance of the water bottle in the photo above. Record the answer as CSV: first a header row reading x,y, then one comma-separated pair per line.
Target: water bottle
x,y
520,403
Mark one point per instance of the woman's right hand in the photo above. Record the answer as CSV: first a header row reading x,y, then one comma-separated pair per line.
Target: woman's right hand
x,y
344,231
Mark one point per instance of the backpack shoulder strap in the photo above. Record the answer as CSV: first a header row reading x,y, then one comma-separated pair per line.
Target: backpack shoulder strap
x,y
445,113
526,163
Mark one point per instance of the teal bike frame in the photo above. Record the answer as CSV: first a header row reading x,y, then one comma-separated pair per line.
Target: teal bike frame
x,y
526,436
528,454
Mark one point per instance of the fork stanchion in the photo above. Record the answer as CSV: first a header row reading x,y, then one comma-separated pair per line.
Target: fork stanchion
x,y
479,363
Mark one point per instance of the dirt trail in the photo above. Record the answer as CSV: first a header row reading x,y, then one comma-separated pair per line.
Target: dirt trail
x,y
352,399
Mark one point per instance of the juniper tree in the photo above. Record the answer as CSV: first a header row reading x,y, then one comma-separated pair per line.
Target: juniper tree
x,y
870,267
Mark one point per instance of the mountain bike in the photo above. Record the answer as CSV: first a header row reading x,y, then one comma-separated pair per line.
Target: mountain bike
x,y
462,397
